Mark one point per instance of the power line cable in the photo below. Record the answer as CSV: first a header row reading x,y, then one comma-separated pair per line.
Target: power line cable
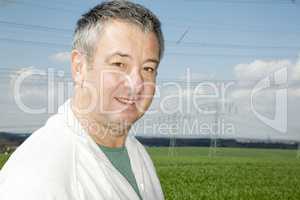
x,y
195,44
33,26
30,4
35,42
192,27
231,46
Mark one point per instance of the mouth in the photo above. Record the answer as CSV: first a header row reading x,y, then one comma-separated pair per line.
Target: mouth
x,y
127,101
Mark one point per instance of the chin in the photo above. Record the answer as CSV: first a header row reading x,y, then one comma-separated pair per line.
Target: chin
x,y
124,118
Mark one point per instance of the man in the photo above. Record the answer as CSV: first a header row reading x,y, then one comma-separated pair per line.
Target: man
x,y
83,152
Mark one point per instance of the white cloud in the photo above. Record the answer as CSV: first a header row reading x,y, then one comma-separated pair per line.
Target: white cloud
x,y
28,70
259,69
248,75
61,57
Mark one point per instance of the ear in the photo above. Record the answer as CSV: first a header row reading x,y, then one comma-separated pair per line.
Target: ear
x,y
77,63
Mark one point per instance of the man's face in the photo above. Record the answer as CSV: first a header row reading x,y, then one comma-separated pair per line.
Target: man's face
x,y
123,72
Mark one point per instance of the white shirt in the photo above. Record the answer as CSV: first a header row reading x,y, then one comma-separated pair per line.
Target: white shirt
x,y
60,161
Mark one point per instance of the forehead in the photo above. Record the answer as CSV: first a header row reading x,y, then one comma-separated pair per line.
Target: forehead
x,y
128,38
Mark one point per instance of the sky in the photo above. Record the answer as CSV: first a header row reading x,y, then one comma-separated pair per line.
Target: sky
x,y
238,41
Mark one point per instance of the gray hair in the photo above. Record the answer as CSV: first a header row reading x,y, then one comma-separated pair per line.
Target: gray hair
x,y
89,25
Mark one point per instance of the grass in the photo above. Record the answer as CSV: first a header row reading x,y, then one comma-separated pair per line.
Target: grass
x,y
3,159
232,173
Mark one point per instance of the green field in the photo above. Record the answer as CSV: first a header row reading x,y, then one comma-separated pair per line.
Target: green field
x,y
232,173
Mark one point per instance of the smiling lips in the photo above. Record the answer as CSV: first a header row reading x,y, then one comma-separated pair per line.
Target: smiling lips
x,y
127,101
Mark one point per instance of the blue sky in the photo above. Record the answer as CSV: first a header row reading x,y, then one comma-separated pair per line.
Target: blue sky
x,y
224,41
221,33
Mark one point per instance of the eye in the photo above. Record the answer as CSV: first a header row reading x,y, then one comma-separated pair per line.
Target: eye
x,y
118,64
149,69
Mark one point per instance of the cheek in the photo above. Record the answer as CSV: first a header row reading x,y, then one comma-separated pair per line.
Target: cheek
x,y
108,86
148,94
150,90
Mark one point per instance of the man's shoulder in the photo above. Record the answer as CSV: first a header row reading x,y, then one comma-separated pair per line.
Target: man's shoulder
x,y
48,151
41,165
52,138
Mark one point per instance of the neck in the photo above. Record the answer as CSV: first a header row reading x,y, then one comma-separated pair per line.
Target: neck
x,y
102,133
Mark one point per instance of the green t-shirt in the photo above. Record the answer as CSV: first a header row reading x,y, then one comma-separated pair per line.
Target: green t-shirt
x,y
120,160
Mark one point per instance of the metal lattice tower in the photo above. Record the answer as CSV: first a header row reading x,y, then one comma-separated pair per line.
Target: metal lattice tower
x,y
173,120
220,111
214,136
298,151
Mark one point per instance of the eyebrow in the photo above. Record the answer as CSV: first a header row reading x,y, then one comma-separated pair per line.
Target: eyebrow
x,y
152,60
118,53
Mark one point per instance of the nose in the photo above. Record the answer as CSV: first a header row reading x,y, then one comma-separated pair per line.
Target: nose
x,y
135,83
